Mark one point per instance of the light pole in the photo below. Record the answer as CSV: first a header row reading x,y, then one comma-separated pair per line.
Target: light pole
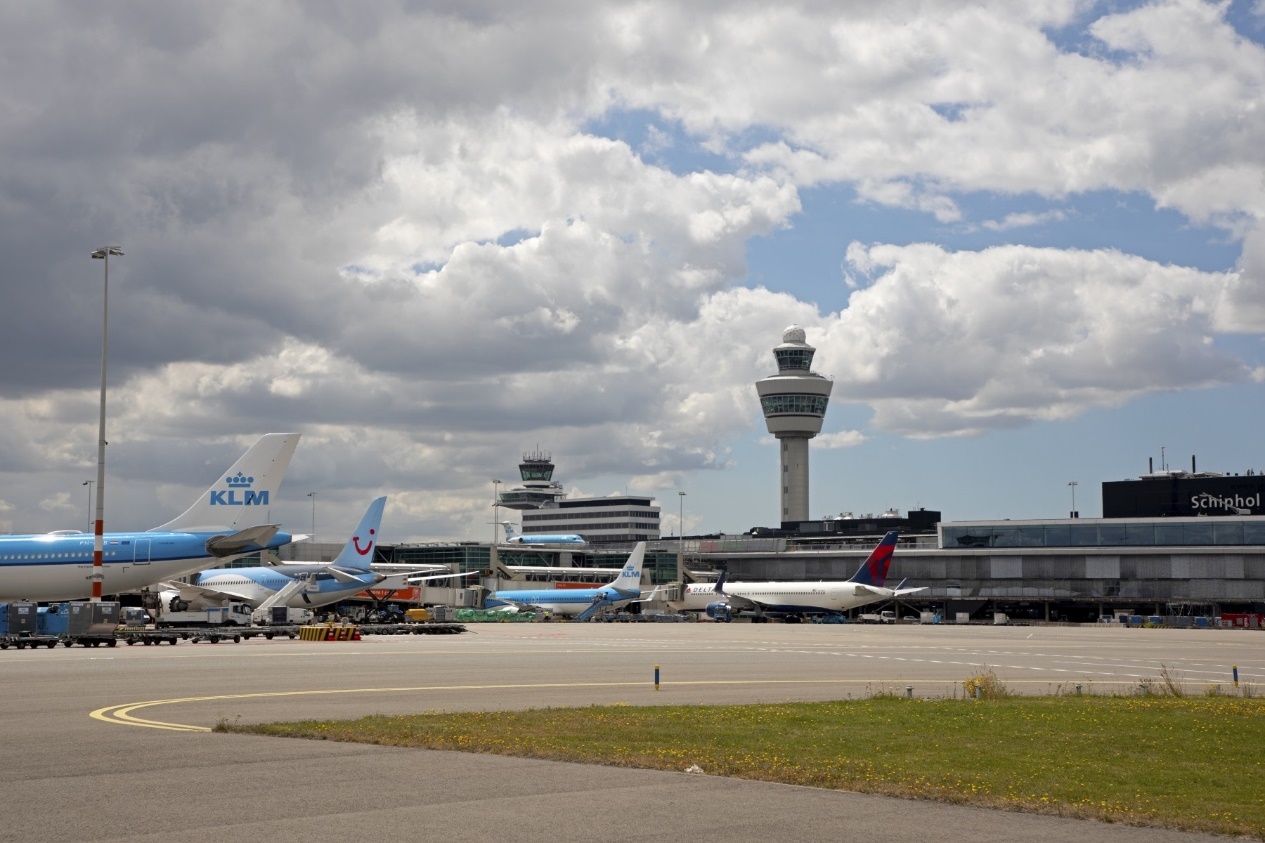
x,y
496,512
1073,485
98,541
680,529
89,483
312,495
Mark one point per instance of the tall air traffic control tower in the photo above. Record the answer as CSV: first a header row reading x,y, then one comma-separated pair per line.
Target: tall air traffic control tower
x,y
794,403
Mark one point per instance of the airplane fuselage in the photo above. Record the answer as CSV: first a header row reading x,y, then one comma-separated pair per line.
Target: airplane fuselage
x,y
58,566
783,597
548,539
562,601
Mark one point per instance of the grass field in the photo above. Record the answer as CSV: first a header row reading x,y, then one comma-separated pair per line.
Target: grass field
x,y
1196,764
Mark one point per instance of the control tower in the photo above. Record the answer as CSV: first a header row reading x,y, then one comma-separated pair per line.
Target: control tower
x,y
794,403
539,488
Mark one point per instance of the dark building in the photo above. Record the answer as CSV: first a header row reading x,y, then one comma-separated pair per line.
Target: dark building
x,y
1174,494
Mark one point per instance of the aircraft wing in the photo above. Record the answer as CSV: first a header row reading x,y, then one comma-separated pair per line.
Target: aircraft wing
x,y
901,592
188,591
243,541
347,577
737,602
515,606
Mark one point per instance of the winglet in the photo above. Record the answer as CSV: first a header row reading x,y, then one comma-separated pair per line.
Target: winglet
x,y
357,554
243,494
873,570
719,588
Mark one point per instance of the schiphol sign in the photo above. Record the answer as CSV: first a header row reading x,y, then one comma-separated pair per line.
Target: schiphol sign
x,y
1243,504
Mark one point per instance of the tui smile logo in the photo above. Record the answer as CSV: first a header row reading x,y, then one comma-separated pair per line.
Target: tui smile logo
x,y
239,483
355,540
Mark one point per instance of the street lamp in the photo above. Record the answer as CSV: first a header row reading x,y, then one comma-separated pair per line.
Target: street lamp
x,y
680,526
1073,485
496,512
312,495
89,483
98,541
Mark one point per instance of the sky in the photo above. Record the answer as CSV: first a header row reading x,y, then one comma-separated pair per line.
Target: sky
x,y
1026,239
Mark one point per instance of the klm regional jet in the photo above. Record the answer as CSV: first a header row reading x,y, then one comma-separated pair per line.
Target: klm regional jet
x,y
580,603
225,522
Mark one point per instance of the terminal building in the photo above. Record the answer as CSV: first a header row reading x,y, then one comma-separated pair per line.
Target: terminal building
x,y
547,509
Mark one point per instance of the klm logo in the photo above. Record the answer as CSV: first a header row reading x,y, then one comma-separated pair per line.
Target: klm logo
x,y
629,571
239,493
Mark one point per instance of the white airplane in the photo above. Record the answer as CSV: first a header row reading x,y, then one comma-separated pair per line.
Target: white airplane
x,y
310,584
554,538
579,603
779,599
58,565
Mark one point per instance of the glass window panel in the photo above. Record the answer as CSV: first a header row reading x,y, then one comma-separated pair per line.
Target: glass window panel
x,y
1253,532
1227,532
1139,534
1082,535
1006,537
1169,534
1112,535
1197,533
1058,535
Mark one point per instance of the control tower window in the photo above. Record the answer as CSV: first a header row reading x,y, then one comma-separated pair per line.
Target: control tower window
x,y
800,405
794,358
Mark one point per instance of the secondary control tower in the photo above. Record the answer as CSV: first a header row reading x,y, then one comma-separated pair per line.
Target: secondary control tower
x,y
794,403
539,488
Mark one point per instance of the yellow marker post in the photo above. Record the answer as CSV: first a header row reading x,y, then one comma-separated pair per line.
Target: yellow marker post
x,y
656,677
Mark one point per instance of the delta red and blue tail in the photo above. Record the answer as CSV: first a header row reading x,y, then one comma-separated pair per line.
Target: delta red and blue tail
x,y
874,570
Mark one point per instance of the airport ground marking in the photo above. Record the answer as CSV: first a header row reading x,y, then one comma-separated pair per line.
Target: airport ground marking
x,y
121,715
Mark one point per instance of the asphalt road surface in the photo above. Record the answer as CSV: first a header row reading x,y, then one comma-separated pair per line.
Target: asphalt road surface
x,y
114,743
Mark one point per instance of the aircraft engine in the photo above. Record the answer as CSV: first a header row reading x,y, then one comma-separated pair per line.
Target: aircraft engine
x,y
176,604
719,611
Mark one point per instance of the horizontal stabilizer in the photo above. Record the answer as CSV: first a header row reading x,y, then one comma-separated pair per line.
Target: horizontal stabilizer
x,y
243,541
441,577
347,577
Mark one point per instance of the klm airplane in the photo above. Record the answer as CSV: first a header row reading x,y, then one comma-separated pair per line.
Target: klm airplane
x,y
554,538
225,522
578,602
306,585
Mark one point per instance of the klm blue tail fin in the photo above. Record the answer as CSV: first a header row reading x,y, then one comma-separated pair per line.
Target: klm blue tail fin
x,y
357,555
874,570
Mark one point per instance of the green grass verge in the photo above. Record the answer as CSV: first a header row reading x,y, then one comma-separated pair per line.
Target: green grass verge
x,y
1196,764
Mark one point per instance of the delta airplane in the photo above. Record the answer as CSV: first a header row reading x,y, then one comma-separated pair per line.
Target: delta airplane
x,y
58,565
557,538
311,584
798,598
579,603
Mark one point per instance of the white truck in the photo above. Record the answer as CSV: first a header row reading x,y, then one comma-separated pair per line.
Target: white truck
x,y
886,616
234,614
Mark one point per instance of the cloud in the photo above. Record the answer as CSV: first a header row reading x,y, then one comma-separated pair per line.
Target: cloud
x,y
841,439
1022,220
394,228
950,343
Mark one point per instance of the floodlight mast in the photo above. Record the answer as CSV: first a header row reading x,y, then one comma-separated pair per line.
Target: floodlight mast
x,y
98,542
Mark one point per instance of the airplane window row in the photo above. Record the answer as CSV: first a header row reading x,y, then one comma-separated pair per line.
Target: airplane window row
x,y
85,555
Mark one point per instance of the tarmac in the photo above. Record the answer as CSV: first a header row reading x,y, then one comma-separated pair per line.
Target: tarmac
x,y
114,744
